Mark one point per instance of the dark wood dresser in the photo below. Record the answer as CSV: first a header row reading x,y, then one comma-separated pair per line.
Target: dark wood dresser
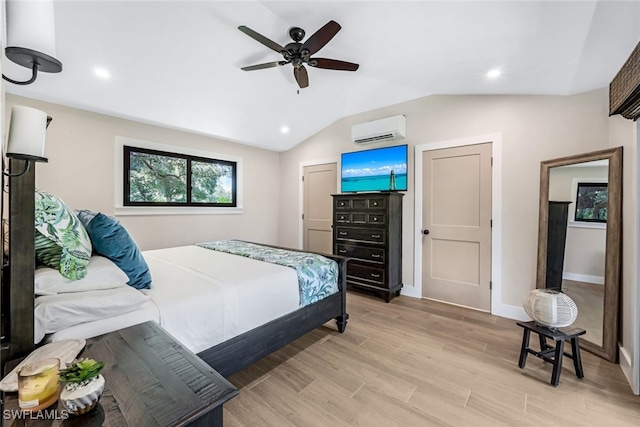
x,y
150,380
367,227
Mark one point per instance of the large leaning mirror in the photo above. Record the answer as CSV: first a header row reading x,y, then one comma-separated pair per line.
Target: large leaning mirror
x,y
579,241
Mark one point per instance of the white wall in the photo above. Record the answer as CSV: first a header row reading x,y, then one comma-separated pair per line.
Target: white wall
x,y
80,148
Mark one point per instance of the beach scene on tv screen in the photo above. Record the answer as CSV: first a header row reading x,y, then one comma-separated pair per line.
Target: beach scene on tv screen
x,y
372,170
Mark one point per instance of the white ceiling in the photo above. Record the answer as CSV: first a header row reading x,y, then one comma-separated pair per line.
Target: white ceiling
x,y
177,63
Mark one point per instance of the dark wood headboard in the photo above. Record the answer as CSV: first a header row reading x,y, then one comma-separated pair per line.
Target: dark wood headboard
x,y
21,260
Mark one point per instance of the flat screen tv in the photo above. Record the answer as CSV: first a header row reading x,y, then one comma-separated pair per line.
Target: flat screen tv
x,y
379,169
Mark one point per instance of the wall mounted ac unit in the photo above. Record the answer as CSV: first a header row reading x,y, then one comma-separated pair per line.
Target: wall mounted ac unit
x,y
387,129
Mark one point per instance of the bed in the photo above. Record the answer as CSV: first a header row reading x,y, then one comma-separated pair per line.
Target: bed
x,y
228,308
231,310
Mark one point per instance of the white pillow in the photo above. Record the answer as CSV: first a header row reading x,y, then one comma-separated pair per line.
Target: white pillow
x,y
102,273
57,312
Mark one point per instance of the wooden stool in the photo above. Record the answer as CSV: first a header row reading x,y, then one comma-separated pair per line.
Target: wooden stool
x,y
550,353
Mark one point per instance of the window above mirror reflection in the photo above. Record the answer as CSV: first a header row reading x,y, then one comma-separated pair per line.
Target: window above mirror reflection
x,y
591,180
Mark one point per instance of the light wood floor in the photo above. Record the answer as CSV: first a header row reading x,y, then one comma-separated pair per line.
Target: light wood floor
x,y
421,363
589,298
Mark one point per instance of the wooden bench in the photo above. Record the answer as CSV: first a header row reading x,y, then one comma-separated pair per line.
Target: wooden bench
x,y
549,353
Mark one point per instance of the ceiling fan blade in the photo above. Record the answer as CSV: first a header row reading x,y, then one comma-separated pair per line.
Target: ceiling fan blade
x,y
263,66
301,76
262,39
333,64
321,37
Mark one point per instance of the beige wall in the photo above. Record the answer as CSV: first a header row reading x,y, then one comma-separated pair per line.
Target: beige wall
x,y
585,246
533,128
80,148
585,253
561,178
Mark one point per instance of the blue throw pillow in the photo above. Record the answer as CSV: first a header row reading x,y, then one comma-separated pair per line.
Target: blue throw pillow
x,y
111,240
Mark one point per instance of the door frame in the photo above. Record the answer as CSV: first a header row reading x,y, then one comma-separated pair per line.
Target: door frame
x,y
301,167
497,307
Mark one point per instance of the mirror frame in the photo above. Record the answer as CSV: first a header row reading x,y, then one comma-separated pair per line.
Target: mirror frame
x,y
613,250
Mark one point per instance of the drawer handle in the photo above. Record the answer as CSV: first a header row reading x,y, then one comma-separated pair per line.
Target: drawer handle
x,y
375,218
343,233
375,236
342,251
375,203
375,275
375,255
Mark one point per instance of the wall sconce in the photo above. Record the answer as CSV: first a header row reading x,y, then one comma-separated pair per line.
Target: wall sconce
x,y
27,130
31,37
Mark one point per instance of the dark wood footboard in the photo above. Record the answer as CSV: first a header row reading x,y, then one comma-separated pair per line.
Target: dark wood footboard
x,y
237,353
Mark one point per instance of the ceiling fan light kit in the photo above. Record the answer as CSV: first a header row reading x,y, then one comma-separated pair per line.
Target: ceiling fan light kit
x,y
298,54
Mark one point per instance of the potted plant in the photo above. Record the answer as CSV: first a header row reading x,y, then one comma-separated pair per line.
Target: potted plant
x,y
84,385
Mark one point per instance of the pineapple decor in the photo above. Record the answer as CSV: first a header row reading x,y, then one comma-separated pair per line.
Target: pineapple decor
x,y
84,385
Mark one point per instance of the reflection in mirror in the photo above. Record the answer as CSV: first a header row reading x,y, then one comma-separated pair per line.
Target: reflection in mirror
x,y
579,241
584,185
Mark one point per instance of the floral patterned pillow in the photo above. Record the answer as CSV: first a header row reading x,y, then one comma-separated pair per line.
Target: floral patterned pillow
x,y
61,240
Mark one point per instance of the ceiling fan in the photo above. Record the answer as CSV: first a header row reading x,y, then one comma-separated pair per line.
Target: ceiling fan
x,y
298,54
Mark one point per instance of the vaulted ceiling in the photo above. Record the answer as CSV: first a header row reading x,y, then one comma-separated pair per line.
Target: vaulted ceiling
x,y
177,63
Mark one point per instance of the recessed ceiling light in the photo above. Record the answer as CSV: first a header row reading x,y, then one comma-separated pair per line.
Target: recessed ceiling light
x,y
102,73
492,74
284,129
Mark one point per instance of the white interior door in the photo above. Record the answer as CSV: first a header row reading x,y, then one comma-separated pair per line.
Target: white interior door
x,y
456,223
320,182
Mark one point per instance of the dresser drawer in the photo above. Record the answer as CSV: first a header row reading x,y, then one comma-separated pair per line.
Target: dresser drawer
x,y
376,218
376,203
363,272
343,217
346,217
342,203
376,255
361,234
361,203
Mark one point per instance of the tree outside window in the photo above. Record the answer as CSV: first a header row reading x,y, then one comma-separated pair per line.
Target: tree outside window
x,y
158,178
591,202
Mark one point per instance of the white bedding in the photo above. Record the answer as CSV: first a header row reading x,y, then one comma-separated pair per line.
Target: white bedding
x,y
148,311
204,297
53,313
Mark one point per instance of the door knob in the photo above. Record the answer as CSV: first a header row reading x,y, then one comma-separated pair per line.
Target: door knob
x,y
425,231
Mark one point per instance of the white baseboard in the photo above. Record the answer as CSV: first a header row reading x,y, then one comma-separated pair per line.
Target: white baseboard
x,y
411,291
510,312
627,369
502,310
583,278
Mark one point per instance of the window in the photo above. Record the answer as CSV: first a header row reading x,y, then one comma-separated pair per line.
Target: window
x,y
591,202
161,178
